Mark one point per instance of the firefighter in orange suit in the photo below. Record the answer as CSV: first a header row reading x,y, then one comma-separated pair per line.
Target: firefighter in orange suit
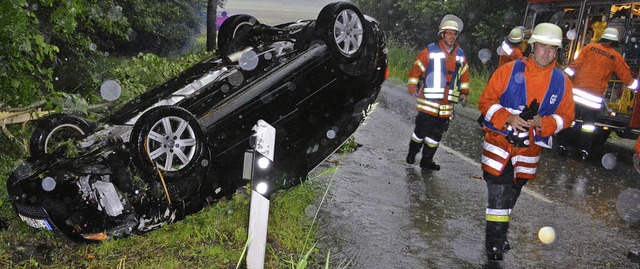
x,y
511,47
591,73
442,72
525,103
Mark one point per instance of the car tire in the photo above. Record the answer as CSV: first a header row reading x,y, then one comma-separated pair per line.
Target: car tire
x,y
53,129
343,28
233,33
176,156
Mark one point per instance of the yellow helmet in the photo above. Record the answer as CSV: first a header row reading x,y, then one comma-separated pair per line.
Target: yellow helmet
x,y
448,25
450,22
515,35
610,33
546,33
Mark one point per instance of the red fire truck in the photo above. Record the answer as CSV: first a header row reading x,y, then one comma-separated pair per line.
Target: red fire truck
x,y
582,22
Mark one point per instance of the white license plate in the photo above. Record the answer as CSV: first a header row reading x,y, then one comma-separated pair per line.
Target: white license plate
x,y
36,223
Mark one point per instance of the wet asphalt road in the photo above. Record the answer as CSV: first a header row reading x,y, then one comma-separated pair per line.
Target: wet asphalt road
x,y
383,213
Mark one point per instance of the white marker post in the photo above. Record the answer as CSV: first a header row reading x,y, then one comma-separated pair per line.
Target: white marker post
x,y
257,167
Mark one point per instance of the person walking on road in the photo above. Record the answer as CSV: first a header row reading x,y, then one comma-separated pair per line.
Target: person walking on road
x,y
591,73
438,79
525,103
511,47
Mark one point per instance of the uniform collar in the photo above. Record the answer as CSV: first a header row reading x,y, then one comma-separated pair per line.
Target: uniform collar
x,y
533,66
443,47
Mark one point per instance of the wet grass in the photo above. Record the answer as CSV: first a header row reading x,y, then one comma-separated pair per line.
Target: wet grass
x,y
212,238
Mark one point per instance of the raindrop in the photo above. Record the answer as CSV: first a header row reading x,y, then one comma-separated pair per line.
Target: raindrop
x,y
224,88
331,134
390,12
56,78
236,78
268,56
571,34
48,184
106,54
248,60
114,13
204,163
628,205
430,80
93,46
197,84
310,211
110,90
132,34
23,170
519,78
484,55
609,161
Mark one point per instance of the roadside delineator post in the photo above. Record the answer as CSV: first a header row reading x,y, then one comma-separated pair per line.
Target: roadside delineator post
x,y
258,164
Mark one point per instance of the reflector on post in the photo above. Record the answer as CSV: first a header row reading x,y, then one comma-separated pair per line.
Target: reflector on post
x,y
260,163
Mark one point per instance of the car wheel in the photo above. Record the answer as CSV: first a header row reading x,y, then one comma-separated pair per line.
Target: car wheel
x,y
233,33
169,138
342,25
53,131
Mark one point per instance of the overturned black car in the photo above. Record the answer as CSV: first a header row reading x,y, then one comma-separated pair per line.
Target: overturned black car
x,y
180,146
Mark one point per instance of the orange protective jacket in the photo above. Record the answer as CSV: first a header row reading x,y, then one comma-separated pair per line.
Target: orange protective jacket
x,y
594,66
497,150
515,54
417,72
637,146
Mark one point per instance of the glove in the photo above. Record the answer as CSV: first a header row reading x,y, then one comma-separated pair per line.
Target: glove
x,y
521,139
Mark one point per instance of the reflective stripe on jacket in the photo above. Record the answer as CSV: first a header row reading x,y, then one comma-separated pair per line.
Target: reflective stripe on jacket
x,y
593,68
507,92
444,75
513,53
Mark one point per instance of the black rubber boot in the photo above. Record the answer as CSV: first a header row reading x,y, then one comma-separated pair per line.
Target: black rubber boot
x,y
414,148
411,158
427,158
495,254
496,241
429,164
